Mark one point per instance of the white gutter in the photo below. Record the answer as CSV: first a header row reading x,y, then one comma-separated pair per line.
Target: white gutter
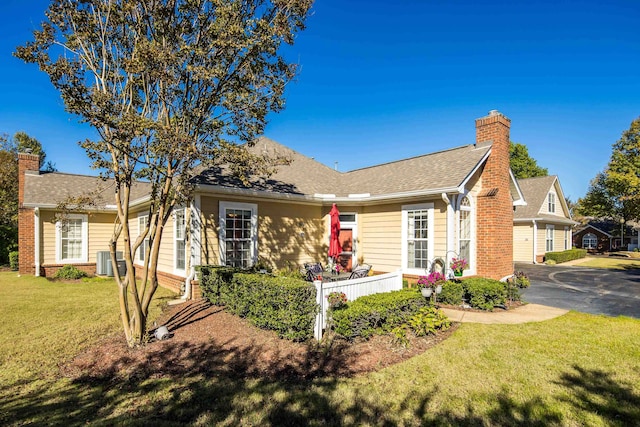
x,y
535,241
36,243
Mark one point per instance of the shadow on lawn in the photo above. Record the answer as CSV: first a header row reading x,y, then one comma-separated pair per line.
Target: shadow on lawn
x,y
220,387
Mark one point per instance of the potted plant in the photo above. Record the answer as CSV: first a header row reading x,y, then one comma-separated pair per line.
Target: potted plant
x,y
432,282
458,265
336,299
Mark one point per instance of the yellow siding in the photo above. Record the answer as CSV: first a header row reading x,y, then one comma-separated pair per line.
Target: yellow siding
x,y
48,230
523,243
288,234
440,229
381,237
165,256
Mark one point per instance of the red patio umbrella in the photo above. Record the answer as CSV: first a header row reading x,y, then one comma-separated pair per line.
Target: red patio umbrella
x,y
334,243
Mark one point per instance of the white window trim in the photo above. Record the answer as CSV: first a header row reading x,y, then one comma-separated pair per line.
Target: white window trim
x,y
137,259
551,203
596,241
353,226
223,206
176,269
85,241
471,271
546,238
567,239
405,229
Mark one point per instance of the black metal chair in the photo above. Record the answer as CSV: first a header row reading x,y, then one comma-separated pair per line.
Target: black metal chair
x,y
314,271
360,272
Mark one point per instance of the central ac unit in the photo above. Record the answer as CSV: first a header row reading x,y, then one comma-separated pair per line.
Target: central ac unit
x,y
103,263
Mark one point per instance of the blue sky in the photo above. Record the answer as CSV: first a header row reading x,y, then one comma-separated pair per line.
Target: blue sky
x,y
382,81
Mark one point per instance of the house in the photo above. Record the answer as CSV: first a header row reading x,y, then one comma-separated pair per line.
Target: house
x,y
398,215
606,235
544,224
593,239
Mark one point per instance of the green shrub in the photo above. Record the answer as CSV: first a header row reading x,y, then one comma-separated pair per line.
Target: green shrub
x,y
485,294
13,260
69,272
452,293
378,313
428,321
8,242
565,256
216,282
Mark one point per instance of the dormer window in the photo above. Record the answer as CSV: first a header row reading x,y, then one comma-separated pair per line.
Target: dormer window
x,y
552,203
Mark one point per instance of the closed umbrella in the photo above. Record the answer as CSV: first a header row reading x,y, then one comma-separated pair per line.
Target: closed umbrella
x,y
334,244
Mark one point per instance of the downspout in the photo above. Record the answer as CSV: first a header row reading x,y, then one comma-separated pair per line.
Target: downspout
x,y
450,224
535,240
36,243
194,236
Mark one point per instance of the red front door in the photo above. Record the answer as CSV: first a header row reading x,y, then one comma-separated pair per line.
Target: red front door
x,y
346,243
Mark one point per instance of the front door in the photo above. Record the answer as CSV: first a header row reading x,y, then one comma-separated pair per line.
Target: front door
x,y
346,243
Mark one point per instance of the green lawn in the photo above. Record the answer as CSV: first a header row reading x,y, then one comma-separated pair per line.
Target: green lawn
x,y
612,263
574,370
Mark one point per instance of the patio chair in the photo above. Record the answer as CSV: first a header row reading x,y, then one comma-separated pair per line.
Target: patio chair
x,y
313,269
360,272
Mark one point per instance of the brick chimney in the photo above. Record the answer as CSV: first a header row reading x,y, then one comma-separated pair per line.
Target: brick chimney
x,y
27,164
495,206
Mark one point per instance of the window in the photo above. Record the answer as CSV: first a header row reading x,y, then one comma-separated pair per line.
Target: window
x,y
464,237
144,247
550,231
417,242
552,203
179,233
566,239
589,241
238,234
72,239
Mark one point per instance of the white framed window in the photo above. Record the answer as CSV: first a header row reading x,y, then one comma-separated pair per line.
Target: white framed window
x,y
567,240
464,231
143,220
72,239
549,238
552,203
238,234
417,237
179,247
589,241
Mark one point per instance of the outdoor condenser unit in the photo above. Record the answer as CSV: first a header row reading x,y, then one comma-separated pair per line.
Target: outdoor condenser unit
x,y
103,263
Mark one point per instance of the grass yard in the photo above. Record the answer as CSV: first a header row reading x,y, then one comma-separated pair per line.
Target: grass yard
x,y
614,263
571,371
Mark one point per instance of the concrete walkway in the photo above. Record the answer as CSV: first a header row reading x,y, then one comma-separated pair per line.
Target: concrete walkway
x,y
523,314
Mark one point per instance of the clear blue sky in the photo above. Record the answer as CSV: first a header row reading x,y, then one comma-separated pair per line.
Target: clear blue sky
x,y
382,81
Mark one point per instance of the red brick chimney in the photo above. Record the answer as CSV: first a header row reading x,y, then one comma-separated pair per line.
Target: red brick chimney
x,y
27,163
495,207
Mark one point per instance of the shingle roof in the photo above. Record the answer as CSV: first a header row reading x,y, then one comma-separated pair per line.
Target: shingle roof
x,y
52,188
535,192
305,176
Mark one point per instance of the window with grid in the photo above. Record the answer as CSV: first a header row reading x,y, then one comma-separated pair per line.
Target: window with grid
x,y
418,238
144,247
589,241
552,202
71,240
550,231
180,246
464,239
239,236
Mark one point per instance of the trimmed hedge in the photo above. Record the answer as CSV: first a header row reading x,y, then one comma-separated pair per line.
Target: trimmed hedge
x,y
565,256
13,260
282,304
376,314
485,293
69,272
452,293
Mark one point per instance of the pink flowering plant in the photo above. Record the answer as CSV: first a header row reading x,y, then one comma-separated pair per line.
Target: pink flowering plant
x,y
336,299
458,265
434,279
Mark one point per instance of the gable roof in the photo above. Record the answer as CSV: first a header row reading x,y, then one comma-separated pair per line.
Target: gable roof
x,y
442,171
48,189
581,229
535,192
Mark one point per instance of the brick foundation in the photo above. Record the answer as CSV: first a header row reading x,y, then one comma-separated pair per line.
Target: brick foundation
x,y
49,270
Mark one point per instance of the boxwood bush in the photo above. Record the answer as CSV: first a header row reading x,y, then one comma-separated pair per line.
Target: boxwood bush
x,y
216,282
378,313
452,293
13,260
69,272
565,256
485,293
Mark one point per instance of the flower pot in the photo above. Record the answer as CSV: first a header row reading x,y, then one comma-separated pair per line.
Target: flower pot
x,y
426,292
457,273
438,289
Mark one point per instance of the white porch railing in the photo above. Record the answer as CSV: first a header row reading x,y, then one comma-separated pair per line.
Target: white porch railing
x,y
353,289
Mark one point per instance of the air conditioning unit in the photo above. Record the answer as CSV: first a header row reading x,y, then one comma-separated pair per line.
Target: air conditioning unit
x,y
103,263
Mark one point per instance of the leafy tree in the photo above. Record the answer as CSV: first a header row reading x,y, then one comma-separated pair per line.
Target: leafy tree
x,y
614,193
523,165
168,85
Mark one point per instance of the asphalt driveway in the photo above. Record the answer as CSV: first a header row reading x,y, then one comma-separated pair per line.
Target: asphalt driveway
x,y
589,290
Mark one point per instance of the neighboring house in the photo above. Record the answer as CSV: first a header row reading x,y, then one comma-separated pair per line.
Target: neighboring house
x,y
592,239
605,235
397,215
544,224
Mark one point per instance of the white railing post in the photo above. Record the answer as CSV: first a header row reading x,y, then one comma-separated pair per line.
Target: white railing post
x,y
317,330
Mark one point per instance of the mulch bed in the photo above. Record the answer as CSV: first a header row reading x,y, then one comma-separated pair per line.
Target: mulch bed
x,y
208,340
